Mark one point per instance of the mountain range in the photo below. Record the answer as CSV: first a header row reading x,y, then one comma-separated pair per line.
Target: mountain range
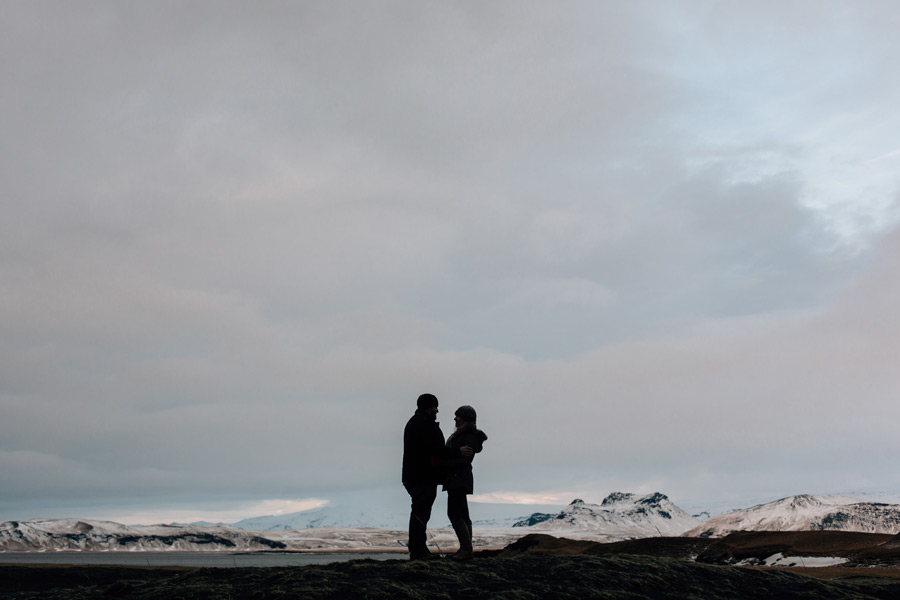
x,y
620,516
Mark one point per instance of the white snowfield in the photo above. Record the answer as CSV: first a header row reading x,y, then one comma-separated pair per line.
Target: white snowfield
x,y
30,537
806,513
368,539
343,515
808,562
75,535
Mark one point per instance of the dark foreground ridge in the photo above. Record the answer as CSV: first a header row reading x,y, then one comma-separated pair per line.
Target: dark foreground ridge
x,y
526,576
534,567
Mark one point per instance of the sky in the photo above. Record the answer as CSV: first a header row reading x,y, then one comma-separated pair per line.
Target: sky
x,y
654,244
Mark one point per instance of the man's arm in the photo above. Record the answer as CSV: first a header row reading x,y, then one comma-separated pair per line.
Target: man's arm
x,y
440,450
447,452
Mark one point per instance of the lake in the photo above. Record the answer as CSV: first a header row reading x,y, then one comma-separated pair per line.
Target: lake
x,y
185,559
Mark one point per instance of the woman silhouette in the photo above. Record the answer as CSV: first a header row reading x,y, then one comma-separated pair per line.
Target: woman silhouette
x,y
458,479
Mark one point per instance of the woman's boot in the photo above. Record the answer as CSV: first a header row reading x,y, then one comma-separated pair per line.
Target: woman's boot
x,y
464,533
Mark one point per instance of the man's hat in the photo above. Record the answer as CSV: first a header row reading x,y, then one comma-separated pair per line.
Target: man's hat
x,y
427,401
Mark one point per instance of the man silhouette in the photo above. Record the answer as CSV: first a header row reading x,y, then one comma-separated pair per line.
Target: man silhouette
x,y
423,446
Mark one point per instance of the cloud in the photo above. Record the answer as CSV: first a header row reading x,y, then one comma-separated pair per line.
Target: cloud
x,y
518,498
649,242
223,515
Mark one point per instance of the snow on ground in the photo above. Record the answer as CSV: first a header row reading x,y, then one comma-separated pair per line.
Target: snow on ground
x,y
346,515
369,539
74,535
779,560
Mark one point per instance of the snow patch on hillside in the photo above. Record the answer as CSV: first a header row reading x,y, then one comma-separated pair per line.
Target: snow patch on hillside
x,y
808,562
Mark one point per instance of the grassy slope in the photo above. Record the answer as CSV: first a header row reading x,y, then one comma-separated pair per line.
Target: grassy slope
x,y
526,576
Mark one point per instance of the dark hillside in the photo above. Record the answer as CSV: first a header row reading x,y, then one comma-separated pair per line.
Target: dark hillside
x,y
529,575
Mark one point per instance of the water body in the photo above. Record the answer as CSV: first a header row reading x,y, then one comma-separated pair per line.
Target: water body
x,y
185,559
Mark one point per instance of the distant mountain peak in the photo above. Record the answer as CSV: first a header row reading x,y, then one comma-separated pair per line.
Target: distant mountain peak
x,y
654,498
621,515
617,498
806,512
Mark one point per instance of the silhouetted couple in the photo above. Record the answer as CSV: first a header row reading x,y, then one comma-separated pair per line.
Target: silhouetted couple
x,y
428,461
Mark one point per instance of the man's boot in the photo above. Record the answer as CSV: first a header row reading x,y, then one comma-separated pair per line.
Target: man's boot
x,y
464,533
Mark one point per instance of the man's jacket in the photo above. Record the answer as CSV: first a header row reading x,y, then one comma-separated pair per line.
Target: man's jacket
x,y
422,441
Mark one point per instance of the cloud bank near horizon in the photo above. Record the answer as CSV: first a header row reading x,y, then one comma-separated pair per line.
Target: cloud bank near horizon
x,y
654,245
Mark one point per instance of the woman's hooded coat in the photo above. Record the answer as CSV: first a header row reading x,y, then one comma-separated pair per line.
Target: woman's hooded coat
x,y
458,471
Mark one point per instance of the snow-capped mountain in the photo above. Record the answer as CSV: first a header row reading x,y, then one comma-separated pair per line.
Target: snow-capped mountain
x,y
620,516
328,516
343,515
806,513
73,534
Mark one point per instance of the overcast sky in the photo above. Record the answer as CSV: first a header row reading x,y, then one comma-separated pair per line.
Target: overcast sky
x,y
655,244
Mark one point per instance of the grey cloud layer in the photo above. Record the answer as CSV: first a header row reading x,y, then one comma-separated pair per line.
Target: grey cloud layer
x,y
237,241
